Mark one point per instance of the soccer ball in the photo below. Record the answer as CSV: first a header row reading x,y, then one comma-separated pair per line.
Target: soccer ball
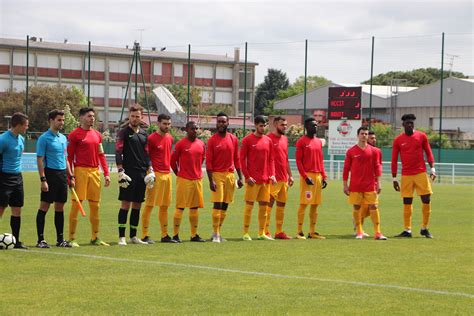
x,y
7,241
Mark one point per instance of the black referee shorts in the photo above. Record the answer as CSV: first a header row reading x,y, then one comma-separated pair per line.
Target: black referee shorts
x,y
135,192
11,190
57,184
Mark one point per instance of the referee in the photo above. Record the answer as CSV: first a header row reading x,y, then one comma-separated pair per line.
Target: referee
x,y
53,168
12,145
133,164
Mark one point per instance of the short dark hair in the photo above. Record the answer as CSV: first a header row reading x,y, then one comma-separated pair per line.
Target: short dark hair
x,y
371,133
136,108
362,128
309,120
411,117
56,112
162,117
278,118
222,114
18,118
84,111
260,119
188,124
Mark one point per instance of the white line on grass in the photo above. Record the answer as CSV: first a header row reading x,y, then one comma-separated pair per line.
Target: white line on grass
x,y
254,273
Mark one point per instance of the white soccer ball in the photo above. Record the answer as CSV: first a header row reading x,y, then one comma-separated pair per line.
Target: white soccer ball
x,y
7,241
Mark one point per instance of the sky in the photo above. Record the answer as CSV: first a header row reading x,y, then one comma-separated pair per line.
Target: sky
x,y
407,34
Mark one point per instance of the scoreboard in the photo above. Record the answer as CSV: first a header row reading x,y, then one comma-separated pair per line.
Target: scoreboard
x,y
344,103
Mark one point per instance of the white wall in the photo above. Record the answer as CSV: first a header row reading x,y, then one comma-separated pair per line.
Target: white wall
x,y
5,57
201,71
71,62
224,73
19,59
97,64
121,66
223,97
48,61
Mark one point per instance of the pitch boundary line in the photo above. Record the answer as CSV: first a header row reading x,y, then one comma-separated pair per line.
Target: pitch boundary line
x,y
255,273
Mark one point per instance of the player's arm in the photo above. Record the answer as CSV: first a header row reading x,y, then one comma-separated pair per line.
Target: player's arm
x,y
271,162
123,179
175,158
40,154
71,149
103,161
323,171
290,174
394,165
209,164
377,167
346,171
70,174
243,162
429,157
237,164
299,155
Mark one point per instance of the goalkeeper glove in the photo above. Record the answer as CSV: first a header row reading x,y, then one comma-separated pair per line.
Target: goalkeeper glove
x,y
124,180
150,180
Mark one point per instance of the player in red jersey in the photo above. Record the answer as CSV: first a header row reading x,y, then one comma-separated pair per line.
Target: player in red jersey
x,y
310,163
411,145
85,154
222,157
284,178
362,163
256,157
186,162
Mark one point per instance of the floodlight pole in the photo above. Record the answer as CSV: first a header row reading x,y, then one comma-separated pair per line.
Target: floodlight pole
x,y
441,100
89,75
189,81
371,81
245,87
136,71
27,71
305,76
144,88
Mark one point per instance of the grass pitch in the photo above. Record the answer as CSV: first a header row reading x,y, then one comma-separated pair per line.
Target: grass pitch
x,y
339,275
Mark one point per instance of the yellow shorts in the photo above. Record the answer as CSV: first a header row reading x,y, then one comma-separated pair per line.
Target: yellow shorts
x,y
257,192
225,186
160,194
88,185
363,198
420,182
189,193
279,191
311,194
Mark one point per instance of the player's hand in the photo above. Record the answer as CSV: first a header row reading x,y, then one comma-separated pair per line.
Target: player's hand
x,y
378,188
273,179
324,184
346,190
107,181
212,186
396,186
309,181
150,180
251,181
433,174
291,181
123,179
71,182
239,183
44,186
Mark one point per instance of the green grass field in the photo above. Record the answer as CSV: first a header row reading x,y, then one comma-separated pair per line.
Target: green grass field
x,y
339,275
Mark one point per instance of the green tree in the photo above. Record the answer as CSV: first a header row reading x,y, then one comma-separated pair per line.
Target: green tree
x,y
297,87
384,133
181,95
151,101
414,78
10,102
70,121
274,81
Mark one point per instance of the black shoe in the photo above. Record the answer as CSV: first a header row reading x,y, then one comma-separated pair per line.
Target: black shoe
x,y
42,244
19,245
176,238
197,238
425,232
148,240
63,244
404,233
168,239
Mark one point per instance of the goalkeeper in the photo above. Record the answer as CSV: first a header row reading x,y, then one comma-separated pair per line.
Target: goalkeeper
x,y
134,173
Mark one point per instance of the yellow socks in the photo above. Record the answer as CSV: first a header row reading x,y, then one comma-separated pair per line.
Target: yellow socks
x,y
163,218
280,214
247,217
73,220
356,215
313,218
301,210
407,211
426,208
146,220
215,220
364,212
222,217
193,220
178,215
375,216
267,221
262,218
94,219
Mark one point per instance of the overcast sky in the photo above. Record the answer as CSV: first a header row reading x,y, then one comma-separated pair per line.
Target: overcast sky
x,y
407,33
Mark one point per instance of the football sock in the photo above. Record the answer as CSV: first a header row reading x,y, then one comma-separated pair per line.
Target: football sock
x,y
193,220
267,221
247,217
163,219
280,214
223,214
426,208
146,220
94,219
262,217
356,215
215,220
364,212
375,216
15,224
59,224
178,215
313,218
122,221
134,219
301,210
73,213
40,219
407,211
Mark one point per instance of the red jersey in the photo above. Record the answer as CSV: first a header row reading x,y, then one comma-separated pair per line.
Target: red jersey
x,y
222,153
411,153
84,149
309,156
256,156
364,167
379,156
159,150
187,158
280,155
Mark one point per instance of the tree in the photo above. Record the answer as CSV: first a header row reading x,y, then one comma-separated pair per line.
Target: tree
x,y
385,134
70,121
267,91
10,102
297,87
151,101
181,95
415,78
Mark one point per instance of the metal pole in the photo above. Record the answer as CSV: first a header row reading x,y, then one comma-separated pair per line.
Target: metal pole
x,y
144,88
441,99
371,79
305,76
136,71
89,75
245,87
27,72
128,85
189,81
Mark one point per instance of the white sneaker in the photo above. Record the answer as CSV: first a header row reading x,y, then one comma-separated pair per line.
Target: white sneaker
x,y
366,235
137,241
216,238
359,236
122,241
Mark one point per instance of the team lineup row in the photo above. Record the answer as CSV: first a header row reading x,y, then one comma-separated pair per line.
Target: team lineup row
x,y
145,163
